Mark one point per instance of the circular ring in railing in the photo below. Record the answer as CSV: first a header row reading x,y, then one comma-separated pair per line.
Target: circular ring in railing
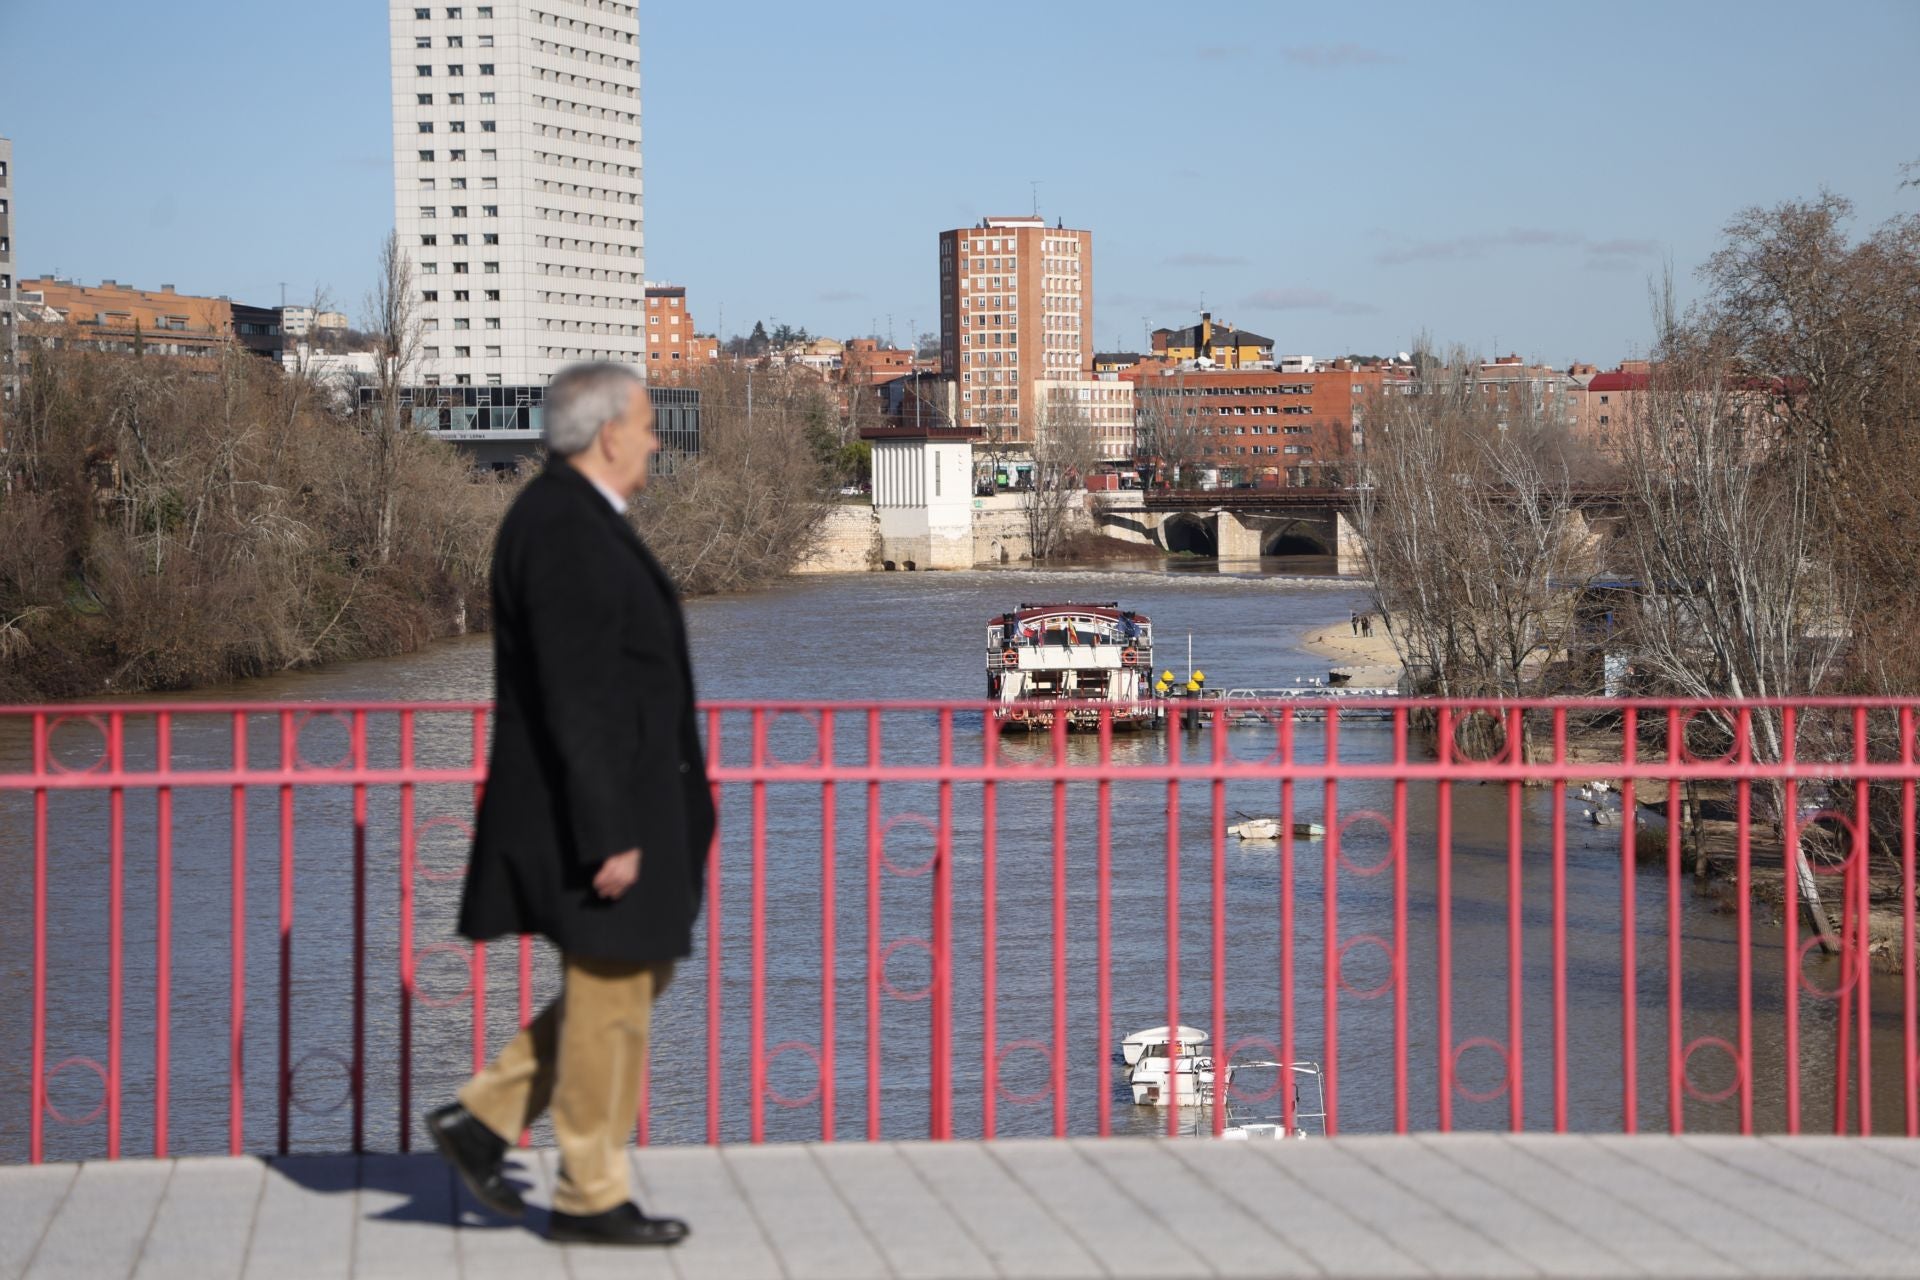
x,y
420,830
420,991
346,1083
300,723
819,1073
1508,750
53,727
813,719
886,958
924,823
1851,971
1845,821
46,1090
1729,756
1380,820
1506,1069
1040,1047
1340,967
1686,1069
1272,1052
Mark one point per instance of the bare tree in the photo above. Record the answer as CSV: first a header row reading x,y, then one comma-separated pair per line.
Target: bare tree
x,y
1739,596
394,321
1066,449
743,511
1471,536
1167,435
1834,323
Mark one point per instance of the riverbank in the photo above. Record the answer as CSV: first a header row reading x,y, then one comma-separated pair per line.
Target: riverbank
x,y
1369,661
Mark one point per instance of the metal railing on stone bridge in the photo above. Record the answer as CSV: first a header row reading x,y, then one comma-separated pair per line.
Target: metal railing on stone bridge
x,y
228,927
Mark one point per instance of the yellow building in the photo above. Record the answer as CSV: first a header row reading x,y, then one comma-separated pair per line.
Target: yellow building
x,y
1227,347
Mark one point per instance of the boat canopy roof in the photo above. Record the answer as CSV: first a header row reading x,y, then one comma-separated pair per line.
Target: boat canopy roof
x,y
1033,612
1158,1035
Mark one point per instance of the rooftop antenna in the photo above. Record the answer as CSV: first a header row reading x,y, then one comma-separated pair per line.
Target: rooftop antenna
x,y
283,295
1036,196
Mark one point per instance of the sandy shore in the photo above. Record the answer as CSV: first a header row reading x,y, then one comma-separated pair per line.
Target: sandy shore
x,y
1370,660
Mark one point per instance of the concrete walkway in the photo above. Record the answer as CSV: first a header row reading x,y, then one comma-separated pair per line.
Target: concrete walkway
x,y
1464,1205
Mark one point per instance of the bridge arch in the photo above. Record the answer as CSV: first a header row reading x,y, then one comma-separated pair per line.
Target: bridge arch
x,y
1192,534
1294,540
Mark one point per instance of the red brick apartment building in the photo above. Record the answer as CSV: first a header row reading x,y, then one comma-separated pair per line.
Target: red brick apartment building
x,y
1603,404
1264,427
864,362
674,350
1016,313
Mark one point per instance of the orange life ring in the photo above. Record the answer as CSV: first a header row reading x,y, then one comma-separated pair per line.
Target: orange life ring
x,y
1011,658
1128,657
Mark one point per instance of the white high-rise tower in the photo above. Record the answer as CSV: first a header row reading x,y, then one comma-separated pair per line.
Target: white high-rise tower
x,y
516,141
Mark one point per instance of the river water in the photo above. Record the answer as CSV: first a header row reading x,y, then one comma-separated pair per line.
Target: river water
x,y
915,636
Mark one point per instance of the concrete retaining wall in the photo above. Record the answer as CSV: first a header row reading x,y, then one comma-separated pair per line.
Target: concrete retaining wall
x,y
848,542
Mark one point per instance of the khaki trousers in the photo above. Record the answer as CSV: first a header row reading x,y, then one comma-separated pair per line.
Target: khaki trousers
x,y
583,1056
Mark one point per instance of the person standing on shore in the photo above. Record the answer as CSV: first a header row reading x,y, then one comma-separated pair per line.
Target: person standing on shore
x,y
1354,616
595,823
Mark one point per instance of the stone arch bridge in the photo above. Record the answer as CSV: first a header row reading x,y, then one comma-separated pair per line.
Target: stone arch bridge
x,y
1239,524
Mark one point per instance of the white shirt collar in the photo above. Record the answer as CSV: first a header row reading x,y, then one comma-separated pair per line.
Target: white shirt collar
x,y
618,503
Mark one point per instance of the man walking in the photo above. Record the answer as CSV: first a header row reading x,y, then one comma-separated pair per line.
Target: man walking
x,y
595,823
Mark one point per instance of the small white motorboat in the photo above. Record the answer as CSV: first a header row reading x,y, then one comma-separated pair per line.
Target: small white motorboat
x,y
1309,1112
1309,1117
1270,828
1168,1069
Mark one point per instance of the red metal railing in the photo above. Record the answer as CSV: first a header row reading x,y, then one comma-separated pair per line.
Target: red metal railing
x,y
1473,921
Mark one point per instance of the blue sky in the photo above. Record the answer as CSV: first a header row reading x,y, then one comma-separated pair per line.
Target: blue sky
x,y
1338,177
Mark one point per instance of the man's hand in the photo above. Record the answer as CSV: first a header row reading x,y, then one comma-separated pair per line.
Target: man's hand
x,y
617,874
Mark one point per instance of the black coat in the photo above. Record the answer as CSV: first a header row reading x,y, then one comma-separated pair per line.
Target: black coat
x,y
595,745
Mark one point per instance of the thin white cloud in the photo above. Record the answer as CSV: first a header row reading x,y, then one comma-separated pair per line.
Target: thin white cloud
x,y
838,295
1292,299
1621,255
1333,56
1206,260
1480,245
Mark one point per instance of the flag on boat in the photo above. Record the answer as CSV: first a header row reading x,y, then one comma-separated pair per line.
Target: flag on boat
x,y
1073,636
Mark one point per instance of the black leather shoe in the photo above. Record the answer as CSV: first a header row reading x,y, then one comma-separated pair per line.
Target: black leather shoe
x,y
622,1224
478,1155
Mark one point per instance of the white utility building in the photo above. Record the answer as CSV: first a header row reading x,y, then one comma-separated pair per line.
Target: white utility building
x,y
923,495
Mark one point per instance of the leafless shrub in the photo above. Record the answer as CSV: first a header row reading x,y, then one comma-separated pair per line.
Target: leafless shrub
x,y
170,526
749,507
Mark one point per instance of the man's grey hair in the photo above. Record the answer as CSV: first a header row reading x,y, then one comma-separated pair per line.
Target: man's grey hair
x,y
581,399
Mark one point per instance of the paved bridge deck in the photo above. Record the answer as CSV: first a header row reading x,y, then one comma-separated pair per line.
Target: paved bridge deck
x,y
1462,1205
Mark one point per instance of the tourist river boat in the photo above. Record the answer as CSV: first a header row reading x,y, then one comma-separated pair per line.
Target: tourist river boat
x,y
1100,656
